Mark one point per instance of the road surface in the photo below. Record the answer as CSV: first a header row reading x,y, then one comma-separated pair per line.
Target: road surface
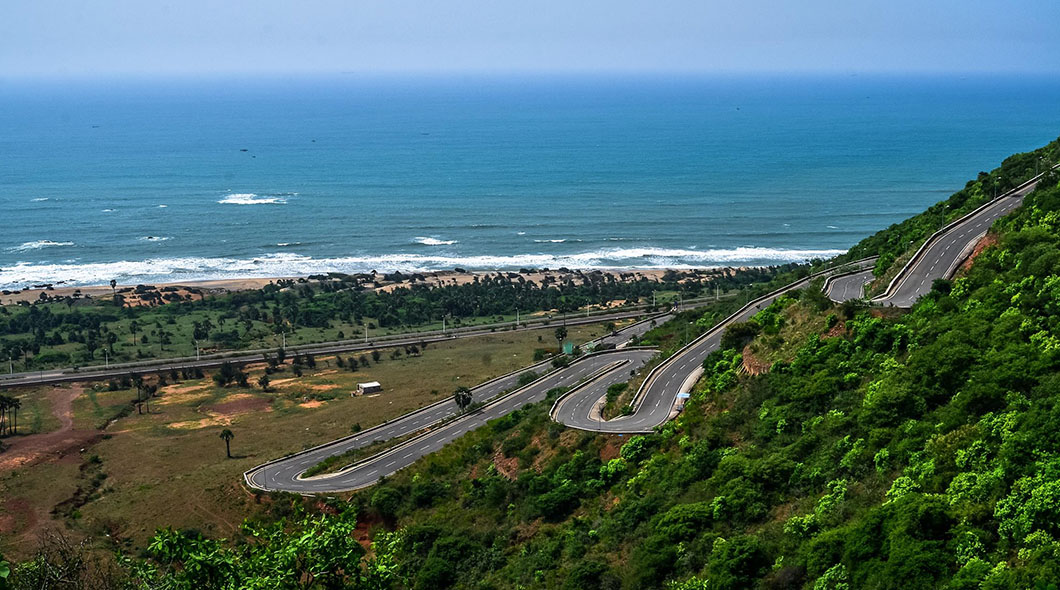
x,y
847,287
254,356
284,474
945,251
655,400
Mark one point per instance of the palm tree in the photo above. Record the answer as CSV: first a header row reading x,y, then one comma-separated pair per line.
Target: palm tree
x,y
462,397
16,403
5,403
227,436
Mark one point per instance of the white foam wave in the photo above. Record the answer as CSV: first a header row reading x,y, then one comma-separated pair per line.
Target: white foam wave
x,y
432,241
108,210
39,199
550,241
289,264
154,238
254,199
39,244
163,206
521,233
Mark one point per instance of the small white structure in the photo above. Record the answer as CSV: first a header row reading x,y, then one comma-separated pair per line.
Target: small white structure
x,y
370,387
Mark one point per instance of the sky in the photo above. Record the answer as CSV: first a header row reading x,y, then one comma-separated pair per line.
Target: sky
x,y
101,38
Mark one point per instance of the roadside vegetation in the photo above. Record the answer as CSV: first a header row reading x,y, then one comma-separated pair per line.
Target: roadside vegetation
x,y
825,447
83,332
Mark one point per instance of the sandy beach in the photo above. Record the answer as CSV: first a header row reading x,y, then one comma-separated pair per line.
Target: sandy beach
x,y
160,293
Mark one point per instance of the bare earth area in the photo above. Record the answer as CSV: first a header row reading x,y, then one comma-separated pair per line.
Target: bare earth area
x,y
30,449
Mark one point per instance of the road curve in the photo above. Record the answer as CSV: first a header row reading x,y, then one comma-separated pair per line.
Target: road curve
x,y
284,474
603,368
944,251
657,396
849,286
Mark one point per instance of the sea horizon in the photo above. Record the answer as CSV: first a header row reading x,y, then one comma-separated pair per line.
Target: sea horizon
x,y
170,180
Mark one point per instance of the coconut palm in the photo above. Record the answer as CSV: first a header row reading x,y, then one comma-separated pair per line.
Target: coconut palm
x,y
227,436
462,397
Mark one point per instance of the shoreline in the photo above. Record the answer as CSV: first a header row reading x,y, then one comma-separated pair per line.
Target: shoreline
x,y
203,288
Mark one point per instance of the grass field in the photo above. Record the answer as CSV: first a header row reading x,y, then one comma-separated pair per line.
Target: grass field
x,y
168,467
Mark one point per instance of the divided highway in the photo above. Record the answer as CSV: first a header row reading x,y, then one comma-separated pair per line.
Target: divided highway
x,y
590,375
938,258
603,368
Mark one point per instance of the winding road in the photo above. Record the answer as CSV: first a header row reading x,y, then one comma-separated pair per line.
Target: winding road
x,y
442,423
429,429
939,257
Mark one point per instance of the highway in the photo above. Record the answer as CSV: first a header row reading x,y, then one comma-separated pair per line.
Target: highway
x,y
653,405
284,474
944,251
657,396
255,356
850,286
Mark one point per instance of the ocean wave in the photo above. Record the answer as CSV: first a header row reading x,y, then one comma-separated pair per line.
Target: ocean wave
x,y
163,206
39,199
556,241
433,241
289,264
108,210
255,199
39,244
154,238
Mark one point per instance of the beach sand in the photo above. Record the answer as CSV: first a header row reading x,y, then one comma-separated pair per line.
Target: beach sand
x,y
157,293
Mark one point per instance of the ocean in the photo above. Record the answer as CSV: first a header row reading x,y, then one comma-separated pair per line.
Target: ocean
x,y
169,180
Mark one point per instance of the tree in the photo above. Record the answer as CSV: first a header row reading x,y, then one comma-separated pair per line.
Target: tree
x,y
561,334
263,382
227,436
462,397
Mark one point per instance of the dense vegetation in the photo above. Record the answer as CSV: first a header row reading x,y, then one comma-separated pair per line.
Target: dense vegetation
x,y
879,450
890,244
334,307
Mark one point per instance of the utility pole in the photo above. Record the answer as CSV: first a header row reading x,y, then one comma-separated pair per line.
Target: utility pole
x,y
106,358
284,335
366,331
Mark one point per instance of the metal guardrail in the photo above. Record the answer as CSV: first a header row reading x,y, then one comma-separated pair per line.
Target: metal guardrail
x,y
933,238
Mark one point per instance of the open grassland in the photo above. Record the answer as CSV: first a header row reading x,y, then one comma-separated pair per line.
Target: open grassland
x,y
167,466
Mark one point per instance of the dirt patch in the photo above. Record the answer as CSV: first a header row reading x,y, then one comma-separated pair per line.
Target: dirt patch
x,y
508,467
836,331
984,243
244,404
29,449
363,531
311,404
752,364
611,450
204,423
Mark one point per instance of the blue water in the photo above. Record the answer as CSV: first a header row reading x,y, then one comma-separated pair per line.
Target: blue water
x,y
148,181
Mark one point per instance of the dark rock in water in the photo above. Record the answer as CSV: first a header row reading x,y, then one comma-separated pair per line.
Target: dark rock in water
x,y
244,150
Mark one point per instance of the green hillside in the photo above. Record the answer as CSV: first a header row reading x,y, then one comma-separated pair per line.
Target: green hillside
x,y
870,449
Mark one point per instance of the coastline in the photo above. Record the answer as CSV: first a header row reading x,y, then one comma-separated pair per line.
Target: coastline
x,y
204,288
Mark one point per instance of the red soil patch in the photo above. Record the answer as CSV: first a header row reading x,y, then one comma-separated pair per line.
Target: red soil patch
x,y
611,449
836,331
508,467
364,527
26,450
753,364
984,243
240,406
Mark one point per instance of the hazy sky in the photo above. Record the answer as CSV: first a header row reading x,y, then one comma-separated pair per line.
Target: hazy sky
x,y
108,37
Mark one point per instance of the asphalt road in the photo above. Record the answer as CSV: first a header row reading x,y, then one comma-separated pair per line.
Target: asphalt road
x,y
847,287
942,257
591,375
655,401
284,474
254,356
